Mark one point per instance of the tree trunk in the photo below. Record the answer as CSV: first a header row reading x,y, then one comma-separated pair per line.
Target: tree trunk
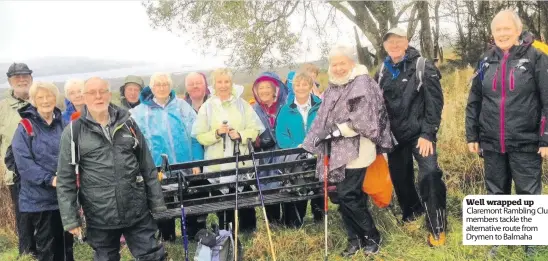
x,y
437,31
543,8
427,47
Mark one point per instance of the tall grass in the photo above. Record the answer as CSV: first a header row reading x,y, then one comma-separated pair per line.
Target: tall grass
x,y
463,175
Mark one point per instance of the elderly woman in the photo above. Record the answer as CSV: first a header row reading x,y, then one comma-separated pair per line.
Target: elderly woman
x,y
509,92
270,95
210,129
352,121
292,124
36,161
507,109
166,122
196,90
74,99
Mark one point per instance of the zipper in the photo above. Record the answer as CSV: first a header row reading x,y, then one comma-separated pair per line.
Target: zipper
x,y
542,125
503,103
495,80
512,86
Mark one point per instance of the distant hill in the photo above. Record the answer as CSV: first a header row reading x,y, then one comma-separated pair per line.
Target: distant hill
x,y
49,66
60,69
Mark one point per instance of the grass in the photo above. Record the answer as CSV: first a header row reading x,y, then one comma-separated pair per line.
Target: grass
x,y
463,175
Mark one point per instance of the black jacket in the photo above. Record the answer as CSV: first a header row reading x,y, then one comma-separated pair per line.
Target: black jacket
x,y
413,113
508,102
112,193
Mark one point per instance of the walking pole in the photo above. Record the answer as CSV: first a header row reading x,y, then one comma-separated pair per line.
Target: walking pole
x,y
325,172
180,191
236,223
252,152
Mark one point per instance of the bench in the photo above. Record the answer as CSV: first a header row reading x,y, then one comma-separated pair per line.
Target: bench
x,y
297,173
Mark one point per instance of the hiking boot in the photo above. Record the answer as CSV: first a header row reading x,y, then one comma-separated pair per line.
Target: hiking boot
x,y
435,241
353,247
371,246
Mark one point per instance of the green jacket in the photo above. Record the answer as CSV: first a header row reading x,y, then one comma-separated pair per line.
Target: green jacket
x,y
118,179
9,120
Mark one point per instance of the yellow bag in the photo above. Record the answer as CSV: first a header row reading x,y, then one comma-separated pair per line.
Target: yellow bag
x,y
541,46
377,183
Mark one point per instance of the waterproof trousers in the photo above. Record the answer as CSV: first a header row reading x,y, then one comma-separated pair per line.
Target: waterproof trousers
x,y
432,190
352,202
525,168
41,235
140,239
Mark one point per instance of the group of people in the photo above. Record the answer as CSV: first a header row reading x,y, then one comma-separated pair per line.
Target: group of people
x,y
102,158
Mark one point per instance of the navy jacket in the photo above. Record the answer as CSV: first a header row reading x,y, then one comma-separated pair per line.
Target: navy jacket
x,y
37,194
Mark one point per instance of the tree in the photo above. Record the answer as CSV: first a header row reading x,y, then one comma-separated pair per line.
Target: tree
x,y
259,32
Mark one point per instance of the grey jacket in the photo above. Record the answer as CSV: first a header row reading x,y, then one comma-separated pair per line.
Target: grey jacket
x,y
112,193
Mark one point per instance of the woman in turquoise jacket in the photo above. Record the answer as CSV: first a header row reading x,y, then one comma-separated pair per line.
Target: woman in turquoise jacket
x,y
166,122
293,122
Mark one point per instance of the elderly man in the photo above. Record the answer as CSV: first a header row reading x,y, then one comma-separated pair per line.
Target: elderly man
x,y
352,122
130,91
414,100
196,90
508,108
118,187
74,99
20,80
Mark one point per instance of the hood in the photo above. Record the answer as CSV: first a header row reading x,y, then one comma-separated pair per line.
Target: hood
x,y
281,89
146,97
131,79
30,112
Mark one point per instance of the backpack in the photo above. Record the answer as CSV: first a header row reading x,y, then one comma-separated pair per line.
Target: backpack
x,y
216,245
419,71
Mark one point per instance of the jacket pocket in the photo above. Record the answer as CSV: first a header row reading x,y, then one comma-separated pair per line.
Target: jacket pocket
x,y
100,206
138,200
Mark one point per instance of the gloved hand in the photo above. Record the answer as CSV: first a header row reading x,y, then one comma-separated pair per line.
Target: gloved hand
x,y
326,134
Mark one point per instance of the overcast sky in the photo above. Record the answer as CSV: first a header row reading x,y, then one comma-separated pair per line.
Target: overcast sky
x,y
117,30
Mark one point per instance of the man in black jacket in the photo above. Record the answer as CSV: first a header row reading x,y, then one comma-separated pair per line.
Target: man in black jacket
x,y
414,100
118,182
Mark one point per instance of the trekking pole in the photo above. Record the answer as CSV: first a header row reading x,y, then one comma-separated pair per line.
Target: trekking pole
x,y
325,201
252,152
224,136
237,154
180,191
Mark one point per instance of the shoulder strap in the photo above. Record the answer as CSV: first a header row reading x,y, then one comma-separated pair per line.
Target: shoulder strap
x,y
380,74
75,128
419,71
27,125
130,124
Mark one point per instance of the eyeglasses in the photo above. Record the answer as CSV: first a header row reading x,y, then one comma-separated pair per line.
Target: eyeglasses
x,y
95,93
395,42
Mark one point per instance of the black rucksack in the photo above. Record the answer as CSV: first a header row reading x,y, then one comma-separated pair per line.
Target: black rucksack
x,y
419,71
